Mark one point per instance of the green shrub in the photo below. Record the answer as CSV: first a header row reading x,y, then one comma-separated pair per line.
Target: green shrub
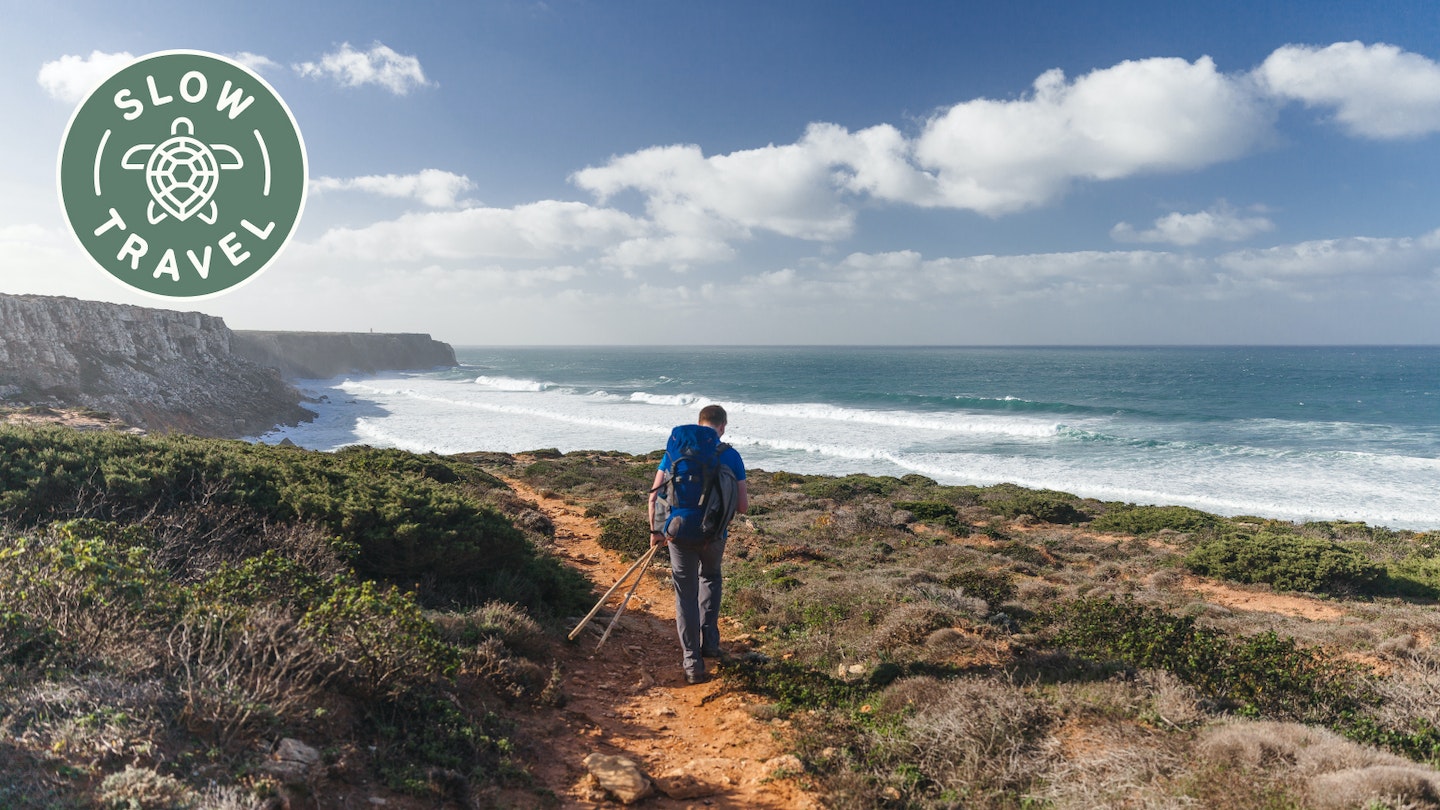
x,y
399,516
1287,562
1261,675
379,638
1051,507
927,510
995,587
936,512
423,734
628,534
77,590
23,639
850,486
1145,520
1414,576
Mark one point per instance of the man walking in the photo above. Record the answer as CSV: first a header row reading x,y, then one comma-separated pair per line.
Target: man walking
x,y
695,564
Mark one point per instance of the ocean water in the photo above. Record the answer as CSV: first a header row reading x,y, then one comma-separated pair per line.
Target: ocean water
x,y
1293,433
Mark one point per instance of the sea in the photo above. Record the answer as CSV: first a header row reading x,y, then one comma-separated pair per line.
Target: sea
x,y
1294,433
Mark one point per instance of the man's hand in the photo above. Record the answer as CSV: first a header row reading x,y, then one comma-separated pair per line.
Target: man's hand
x,y
657,539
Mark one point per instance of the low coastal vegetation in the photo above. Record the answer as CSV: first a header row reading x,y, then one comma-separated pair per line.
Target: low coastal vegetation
x,y
962,646
174,608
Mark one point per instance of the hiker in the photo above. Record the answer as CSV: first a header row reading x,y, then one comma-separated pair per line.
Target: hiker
x,y
699,486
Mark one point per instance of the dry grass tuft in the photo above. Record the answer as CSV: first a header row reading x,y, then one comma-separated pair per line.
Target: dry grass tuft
x,y
973,737
1166,579
1305,751
239,675
911,624
1398,787
143,789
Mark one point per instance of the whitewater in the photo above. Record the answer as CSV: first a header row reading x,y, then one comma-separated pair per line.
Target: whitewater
x,y
1290,433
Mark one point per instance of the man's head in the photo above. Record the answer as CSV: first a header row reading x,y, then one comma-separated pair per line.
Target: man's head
x,y
713,416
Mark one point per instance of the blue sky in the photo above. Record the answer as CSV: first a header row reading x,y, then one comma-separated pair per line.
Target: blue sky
x,y
755,172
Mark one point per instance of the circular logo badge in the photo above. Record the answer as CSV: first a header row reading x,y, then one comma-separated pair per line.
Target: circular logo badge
x,y
183,175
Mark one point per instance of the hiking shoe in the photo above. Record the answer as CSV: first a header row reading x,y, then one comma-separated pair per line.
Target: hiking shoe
x,y
710,652
694,678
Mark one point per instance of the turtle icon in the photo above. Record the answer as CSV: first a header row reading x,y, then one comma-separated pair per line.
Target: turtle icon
x,y
182,173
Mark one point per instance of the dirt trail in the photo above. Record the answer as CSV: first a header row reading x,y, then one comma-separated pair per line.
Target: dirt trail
x,y
1305,607
631,699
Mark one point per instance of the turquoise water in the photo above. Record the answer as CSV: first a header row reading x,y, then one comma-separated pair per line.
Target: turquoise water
x,y
1297,433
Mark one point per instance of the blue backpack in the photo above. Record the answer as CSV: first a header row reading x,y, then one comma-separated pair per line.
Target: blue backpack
x,y
696,499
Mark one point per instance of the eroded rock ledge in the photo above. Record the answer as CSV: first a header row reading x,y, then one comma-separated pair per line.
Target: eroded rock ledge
x,y
164,370
321,355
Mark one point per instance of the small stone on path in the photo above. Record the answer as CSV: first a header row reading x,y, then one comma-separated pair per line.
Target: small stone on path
x,y
620,777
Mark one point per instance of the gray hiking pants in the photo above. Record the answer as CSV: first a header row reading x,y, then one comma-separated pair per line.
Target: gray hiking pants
x,y
696,573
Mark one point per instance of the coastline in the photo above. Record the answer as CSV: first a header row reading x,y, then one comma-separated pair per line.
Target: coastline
x,y
473,409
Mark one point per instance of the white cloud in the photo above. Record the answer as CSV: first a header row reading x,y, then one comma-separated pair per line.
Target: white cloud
x,y
433,187
679,251
785,189
996,157
1330,269
70,78
540,230
993,157
1142,116
381,65
256,62
1377,91
1328,266
905,275
1220,222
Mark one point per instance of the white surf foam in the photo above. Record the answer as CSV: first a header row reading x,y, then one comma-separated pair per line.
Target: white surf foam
x,y
1104,458
512,384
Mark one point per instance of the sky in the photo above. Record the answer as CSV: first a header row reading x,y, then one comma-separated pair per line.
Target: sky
x,y
585,172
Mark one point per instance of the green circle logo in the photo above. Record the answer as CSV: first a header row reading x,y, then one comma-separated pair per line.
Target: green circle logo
x,y
183,175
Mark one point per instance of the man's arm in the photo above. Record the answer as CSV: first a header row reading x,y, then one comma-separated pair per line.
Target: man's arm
x,y
742,501
656,538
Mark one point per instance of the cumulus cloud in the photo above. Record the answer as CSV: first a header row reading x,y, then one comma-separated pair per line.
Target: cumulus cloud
x,y
992,157
1376,91
381,65
70,78
1220,222
433,187
785,189
540,230
1139,116
996,157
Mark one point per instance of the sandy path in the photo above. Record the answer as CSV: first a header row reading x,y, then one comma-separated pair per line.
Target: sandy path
x,y
631,699
1305,607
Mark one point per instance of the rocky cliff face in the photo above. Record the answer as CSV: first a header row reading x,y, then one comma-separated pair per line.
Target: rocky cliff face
x,y
321,355
154,368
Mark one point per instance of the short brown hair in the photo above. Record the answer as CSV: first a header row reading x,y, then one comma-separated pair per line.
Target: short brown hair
x,y
713,415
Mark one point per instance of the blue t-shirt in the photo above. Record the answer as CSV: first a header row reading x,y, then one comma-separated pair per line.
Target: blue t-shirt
x,y
730,457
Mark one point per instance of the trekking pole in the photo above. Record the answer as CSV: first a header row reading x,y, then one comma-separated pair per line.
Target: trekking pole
x,y
626,600
613,588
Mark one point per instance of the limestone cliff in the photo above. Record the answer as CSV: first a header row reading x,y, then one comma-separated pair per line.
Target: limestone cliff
x,y
321,355
153,368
